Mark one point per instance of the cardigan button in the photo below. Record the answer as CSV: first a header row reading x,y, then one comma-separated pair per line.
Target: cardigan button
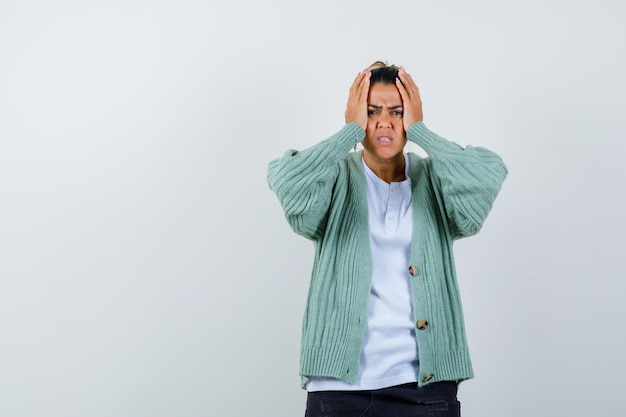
x,y
413,270
422,324
428,378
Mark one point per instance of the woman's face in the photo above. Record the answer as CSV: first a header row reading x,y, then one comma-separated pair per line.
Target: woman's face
x,y
384,136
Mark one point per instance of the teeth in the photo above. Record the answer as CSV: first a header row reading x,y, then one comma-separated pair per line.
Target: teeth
x,y
385,139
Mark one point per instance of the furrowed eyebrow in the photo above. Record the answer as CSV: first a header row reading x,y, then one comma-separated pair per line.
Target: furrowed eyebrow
x,y
380,107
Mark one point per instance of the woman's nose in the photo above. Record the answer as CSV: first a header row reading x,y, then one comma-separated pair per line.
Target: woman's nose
x,y
384,121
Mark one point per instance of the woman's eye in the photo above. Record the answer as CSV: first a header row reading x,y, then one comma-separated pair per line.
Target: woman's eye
x,y
398,113
371,112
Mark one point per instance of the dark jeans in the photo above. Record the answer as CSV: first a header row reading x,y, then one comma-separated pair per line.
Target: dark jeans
x,y
436,399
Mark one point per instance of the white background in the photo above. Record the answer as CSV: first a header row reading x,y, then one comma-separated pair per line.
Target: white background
x,y
147,270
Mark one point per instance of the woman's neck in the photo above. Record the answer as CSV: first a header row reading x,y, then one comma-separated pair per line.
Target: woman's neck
x,y
389,170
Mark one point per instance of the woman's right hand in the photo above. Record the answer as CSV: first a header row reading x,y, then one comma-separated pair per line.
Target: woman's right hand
x,y
356,108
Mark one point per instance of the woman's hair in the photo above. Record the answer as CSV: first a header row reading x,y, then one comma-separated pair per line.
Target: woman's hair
x,y
383,73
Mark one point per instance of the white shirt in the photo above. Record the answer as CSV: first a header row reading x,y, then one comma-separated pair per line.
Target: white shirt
x,y
389,350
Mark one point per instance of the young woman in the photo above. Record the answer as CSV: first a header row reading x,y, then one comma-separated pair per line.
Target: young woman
x,y
383,332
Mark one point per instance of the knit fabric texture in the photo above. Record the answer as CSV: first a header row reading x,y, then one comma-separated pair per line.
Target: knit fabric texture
x,y
322,192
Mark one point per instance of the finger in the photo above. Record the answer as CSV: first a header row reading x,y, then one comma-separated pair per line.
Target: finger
x,y
404,93
411,99
356,84
407,82
356,109
364,87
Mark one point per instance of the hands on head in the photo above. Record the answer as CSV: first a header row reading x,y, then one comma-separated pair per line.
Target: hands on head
x,y
356,108
411,100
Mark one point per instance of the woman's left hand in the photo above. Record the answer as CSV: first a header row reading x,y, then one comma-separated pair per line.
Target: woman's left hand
x,y
411,100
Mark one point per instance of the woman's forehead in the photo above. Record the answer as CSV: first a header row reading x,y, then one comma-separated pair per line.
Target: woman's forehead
x,y
384,95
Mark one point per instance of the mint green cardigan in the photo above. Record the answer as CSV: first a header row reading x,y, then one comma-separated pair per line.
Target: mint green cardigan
x,y
323,195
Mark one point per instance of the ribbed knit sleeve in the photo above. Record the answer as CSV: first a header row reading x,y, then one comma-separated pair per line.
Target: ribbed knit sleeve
x,y
303,180
470,179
